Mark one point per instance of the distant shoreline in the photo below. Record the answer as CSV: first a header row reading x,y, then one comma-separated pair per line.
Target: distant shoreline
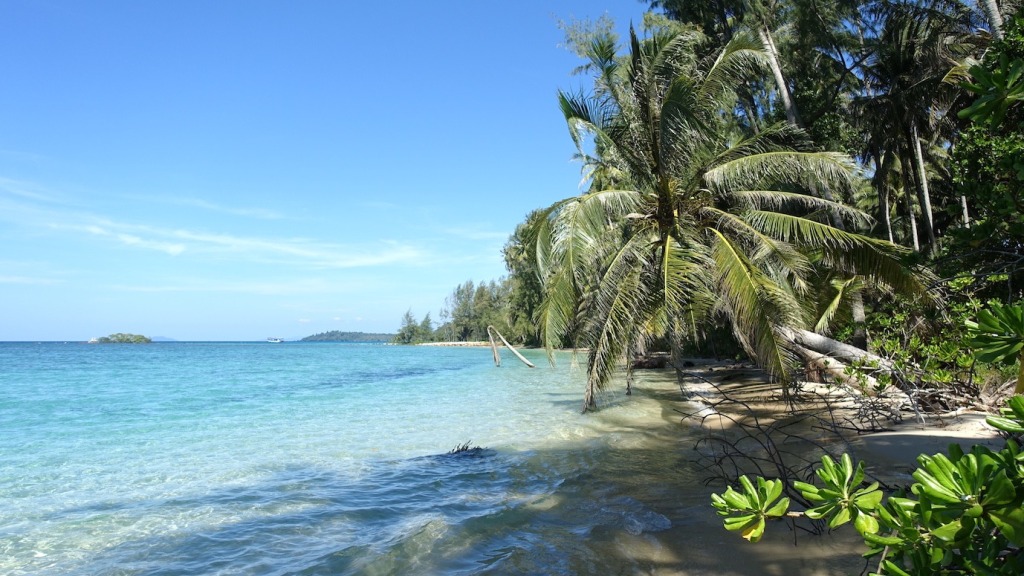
x,y
473,344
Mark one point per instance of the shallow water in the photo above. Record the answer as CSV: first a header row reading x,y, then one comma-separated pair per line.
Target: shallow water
x,y
255,458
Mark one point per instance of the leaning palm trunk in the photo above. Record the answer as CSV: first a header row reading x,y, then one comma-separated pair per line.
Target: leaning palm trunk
x,y
837,370
491,332
834,348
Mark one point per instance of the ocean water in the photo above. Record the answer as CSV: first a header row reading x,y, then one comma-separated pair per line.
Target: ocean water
x,y
319,458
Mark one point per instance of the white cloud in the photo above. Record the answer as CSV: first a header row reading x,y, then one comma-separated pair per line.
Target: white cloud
x,y
296,252
299,252
169,248
25,190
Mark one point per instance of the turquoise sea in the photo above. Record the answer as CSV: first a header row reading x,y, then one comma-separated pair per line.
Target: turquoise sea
x,y
319,458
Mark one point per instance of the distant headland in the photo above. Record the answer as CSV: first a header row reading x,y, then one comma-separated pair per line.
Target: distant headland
x,y
338,336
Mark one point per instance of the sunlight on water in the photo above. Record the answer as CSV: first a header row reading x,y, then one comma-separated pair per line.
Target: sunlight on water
x,y
179,458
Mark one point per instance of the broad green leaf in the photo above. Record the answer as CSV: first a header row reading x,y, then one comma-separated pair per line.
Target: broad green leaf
x,y
865,523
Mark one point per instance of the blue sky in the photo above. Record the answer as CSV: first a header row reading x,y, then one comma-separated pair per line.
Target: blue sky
x,y
235,170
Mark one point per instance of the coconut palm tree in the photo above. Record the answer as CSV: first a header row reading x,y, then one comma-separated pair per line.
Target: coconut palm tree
x,y
918,46
702,221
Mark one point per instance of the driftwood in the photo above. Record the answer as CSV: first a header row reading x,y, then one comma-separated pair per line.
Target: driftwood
x,y
491,332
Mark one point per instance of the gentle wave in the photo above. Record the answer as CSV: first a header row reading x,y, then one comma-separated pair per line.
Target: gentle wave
x,y
299,459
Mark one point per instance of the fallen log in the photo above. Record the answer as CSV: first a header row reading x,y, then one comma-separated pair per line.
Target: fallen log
x,y
835,369
833,348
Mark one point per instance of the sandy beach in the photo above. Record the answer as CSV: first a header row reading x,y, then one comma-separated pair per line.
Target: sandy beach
x,y
696,543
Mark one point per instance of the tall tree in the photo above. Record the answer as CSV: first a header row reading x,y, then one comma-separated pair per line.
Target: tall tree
x,y
705,222
918,46
525,291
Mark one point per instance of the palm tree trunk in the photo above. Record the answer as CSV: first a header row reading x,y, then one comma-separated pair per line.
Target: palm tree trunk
x,y
828,366
886,216
780,80
860,325
963,210
995,19
882,188
926,202
908,193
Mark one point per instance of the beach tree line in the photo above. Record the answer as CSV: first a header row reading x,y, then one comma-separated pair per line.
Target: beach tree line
x,y
468,311
342,336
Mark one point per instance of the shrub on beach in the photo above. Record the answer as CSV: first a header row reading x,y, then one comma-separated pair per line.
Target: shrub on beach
x,y
964,514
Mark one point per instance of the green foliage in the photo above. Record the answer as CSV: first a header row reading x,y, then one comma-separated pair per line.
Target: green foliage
x,y
925,346
413,332
746,511
998,337
525,291
988,168
841,500
471,308
964,513
1011,418
122,338
506,304
998,86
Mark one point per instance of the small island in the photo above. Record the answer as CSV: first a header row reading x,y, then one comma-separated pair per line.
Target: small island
x,y
121,338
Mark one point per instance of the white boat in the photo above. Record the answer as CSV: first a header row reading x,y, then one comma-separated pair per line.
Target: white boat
x,y
275,340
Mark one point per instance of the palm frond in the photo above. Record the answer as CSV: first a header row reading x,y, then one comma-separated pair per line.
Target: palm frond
x,y
740,60
683,277
851,253
795,262
756,306
618,309
774,200
752,171
841,287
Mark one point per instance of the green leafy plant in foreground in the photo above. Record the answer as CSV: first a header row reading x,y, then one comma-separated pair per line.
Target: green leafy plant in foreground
x,y
964,514
747,510
998,337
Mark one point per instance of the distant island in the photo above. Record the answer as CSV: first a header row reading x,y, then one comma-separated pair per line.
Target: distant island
x,y
121,338
338,336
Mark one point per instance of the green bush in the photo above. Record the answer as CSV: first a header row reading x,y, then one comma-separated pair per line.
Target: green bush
x,y
964,514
